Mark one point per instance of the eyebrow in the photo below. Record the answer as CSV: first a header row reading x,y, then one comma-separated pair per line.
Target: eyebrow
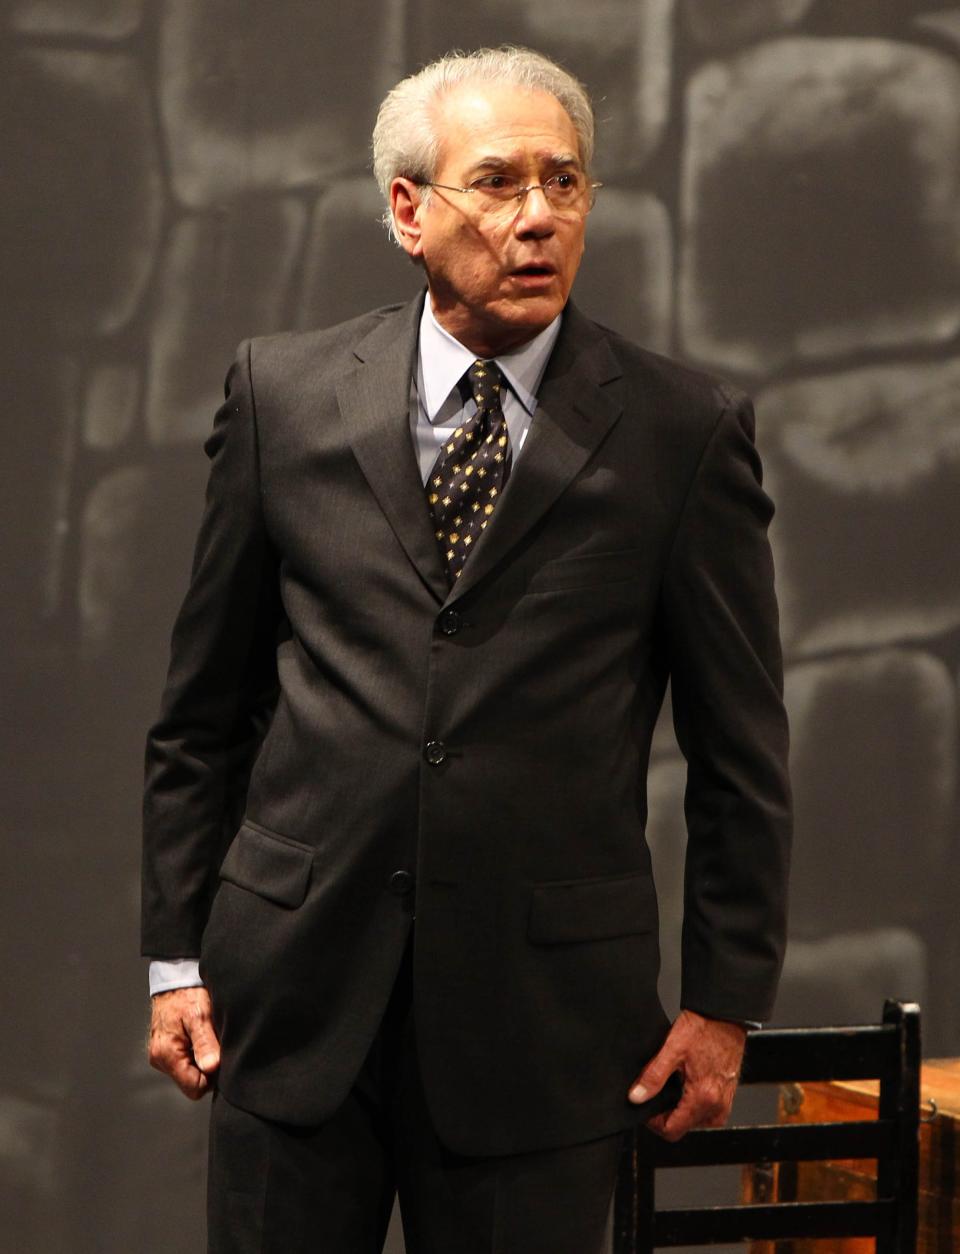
x,y
555,161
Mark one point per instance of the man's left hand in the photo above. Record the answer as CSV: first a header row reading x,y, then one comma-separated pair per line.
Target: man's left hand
x,y
708,1054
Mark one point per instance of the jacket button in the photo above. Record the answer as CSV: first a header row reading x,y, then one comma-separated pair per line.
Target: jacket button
x,y
450,622
435,752
400,883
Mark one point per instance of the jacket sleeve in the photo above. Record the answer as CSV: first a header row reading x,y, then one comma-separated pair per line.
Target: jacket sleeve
x,y
722,632
221,687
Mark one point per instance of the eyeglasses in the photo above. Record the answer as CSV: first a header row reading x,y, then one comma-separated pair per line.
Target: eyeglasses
x,y
567,193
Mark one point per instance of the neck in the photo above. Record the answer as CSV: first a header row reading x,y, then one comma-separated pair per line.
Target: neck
x,y
482,341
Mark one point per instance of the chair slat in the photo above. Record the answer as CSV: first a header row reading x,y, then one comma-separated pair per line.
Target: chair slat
x,y
708,1225
770,1143
798,1055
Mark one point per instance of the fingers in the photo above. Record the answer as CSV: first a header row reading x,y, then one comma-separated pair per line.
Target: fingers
x,y
182,1041
704,1105
188,1078
707,1053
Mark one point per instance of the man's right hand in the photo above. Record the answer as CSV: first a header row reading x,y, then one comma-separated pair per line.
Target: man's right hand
x,y
182,1041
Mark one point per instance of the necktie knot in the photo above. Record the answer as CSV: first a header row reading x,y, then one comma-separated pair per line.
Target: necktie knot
x,y
484,379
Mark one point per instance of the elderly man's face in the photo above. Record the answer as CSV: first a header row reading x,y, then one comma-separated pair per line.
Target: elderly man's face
x,y
495,278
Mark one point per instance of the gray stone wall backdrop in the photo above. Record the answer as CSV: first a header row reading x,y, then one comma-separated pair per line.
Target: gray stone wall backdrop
x,y
782,207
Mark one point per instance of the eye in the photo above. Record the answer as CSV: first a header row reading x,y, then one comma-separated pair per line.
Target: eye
x,y
566,182
500,185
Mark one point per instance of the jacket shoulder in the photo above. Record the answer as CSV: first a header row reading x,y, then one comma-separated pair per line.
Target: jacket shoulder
x,y
285,349
690,390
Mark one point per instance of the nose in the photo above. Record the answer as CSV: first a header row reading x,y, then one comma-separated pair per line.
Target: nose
x,y
535,215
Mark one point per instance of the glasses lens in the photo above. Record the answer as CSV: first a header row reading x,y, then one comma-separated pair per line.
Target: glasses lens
x,y
564,189
502,192
496,189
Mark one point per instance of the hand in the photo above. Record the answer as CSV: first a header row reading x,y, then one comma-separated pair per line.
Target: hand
x,y
708,1054
182,1041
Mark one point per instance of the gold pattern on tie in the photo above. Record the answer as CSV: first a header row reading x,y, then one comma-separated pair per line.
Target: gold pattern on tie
x,y
470,472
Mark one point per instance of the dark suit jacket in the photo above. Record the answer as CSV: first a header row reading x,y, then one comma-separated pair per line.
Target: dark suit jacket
x,y
319,642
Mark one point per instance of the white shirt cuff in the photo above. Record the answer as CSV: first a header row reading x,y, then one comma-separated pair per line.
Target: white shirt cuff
x,y
169,974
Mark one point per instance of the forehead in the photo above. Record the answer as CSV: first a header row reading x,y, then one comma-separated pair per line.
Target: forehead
x,y
481,120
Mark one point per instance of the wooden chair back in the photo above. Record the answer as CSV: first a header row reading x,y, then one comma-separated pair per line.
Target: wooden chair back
x,y
888,1052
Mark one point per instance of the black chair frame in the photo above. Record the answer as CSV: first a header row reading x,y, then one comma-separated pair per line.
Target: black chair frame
x,y
888,1052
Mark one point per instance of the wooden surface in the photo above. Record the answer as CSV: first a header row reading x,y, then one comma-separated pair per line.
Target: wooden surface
x,y
939,1208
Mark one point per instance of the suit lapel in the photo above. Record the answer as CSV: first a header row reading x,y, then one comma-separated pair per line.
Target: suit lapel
x,y
575,410
574,413
375,402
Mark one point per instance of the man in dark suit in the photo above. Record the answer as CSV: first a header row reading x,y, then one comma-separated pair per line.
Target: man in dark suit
x,y
452,552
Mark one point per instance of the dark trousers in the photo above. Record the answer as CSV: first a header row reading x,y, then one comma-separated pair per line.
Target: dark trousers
x,y
279,1189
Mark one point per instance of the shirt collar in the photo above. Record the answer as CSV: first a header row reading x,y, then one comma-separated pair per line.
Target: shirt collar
x,y
442,361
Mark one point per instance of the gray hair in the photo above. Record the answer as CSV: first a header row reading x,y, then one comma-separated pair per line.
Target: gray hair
x,y
405,140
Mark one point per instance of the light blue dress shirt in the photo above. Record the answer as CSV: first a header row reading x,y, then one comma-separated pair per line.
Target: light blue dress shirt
x,y
436,405
436,410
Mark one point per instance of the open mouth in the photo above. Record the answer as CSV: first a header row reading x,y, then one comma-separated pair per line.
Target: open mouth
x,y
534,272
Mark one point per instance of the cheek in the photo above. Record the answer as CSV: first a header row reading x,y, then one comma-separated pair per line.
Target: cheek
x,y
574,257
483,262
472,255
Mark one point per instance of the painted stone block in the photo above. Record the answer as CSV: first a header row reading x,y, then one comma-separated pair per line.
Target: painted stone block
x,y
820,202
863,466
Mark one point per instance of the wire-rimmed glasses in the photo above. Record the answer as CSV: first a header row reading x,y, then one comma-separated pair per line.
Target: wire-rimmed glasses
x,y
568,192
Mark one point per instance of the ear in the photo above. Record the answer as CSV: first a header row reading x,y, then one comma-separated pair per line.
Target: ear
x,y
406,205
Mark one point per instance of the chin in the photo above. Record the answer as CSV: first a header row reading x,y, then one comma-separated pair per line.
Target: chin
x,y
534,311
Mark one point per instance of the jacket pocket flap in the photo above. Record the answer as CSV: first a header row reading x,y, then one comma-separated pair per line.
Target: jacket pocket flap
x,y
576,910
271,866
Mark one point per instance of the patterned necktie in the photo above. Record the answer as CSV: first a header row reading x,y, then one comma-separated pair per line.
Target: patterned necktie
x,y
471,471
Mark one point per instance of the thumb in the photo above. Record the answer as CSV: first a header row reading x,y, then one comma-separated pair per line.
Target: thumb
x,y
654,1075
204,1043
